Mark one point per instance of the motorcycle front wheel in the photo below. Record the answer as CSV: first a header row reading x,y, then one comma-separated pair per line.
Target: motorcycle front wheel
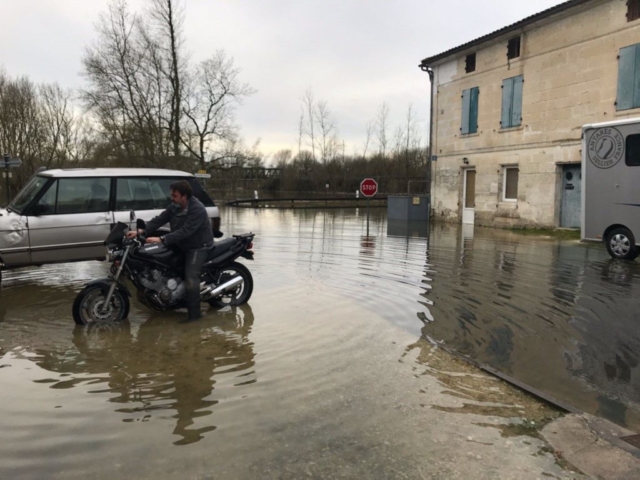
x,y
241,294
88,306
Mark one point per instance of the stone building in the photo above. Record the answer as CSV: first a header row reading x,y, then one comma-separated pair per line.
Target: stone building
x,y
508,110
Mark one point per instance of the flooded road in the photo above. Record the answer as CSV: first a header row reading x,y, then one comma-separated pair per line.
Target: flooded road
x,y
324,373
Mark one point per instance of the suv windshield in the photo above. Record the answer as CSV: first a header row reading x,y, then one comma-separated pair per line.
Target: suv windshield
x,y
27,194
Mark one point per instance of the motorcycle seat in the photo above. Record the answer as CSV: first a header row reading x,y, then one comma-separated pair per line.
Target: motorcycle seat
x,y
221,247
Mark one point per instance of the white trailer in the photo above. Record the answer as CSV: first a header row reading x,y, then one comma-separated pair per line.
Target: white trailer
x,y
611,186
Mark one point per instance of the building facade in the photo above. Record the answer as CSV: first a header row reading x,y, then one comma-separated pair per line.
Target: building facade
x,y
508,110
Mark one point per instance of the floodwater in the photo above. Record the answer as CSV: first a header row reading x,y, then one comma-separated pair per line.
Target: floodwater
x,y
326,372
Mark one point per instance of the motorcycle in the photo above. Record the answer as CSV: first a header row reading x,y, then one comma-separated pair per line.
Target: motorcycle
x,y
157,273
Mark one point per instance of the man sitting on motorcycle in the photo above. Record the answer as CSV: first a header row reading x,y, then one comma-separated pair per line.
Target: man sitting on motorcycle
x,y
191,232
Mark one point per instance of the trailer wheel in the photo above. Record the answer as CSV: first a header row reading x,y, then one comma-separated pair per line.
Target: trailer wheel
x,y
621,244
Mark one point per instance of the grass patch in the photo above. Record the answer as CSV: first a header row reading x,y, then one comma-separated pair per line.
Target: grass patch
x,y
563,234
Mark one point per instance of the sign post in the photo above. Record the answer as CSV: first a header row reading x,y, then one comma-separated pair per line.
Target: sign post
x,y
7,163
326,192
202,175
368,188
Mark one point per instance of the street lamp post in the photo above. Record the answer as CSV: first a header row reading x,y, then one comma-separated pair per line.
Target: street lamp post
x,y
7,163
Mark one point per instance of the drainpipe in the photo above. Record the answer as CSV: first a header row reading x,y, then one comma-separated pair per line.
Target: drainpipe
x,y
429,70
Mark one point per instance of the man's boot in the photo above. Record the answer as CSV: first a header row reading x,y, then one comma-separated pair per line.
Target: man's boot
x,y
194,314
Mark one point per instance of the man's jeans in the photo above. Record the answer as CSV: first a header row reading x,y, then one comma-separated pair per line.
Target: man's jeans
x,y
194,259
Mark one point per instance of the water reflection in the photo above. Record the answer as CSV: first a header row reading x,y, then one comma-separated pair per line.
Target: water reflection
x,y
160,369
558,315
553,313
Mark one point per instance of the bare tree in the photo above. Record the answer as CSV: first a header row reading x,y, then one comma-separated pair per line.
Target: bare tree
x,y
382,122
308,103
327,127
124,93
282,158
22,133
58,123
154,106
167,19
369,127
210,97
300,130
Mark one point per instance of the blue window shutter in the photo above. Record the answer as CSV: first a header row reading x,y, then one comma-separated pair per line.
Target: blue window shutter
x,y
473,110
466,101
516,107
626,77
507,97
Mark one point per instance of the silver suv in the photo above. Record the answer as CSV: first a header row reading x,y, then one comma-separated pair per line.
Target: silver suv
x,y
65,215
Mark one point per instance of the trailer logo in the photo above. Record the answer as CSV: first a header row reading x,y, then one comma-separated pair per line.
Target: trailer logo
x,y
606,147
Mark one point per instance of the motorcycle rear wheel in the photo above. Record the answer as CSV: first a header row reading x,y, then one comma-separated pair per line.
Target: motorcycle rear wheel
x,y
241,294
87,307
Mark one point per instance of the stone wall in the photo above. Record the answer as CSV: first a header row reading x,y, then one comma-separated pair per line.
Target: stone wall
x,y
570,68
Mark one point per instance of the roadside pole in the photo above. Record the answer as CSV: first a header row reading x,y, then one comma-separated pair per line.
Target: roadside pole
x,y
6,176
7,163
368,202
326,192
203,175
368,188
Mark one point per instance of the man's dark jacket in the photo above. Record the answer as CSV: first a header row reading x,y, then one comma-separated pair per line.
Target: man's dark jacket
x,y
190,227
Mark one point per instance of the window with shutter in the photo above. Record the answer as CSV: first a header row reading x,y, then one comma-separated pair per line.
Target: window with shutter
x,y
512,89
473,110
513,48
633,10
470,63
470,111
629,78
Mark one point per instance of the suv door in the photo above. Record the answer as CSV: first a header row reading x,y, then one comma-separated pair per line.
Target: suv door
x,y
146,196
70,221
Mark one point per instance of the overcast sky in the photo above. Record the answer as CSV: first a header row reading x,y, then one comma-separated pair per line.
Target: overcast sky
x,y
354,54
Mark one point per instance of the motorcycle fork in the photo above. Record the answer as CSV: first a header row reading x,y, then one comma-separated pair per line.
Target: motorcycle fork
x,y
115,281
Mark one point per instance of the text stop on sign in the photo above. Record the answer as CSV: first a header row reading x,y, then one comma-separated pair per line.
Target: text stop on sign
x,y
369,187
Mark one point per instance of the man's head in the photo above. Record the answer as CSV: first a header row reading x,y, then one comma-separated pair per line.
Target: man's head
x,y
180,192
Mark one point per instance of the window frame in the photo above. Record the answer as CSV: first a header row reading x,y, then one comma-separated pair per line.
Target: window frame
x,y
54,182
628,88
43,192
468,110
505,168
470,63
60,179
633,10
514,50
512,84
627,150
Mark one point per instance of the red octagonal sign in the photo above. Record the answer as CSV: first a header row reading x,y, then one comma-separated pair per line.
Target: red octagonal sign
x,y
369,187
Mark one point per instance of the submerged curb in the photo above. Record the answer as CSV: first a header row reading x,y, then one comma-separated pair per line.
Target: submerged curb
x,y
594,446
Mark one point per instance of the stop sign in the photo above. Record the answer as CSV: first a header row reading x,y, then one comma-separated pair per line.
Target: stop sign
x,y
369,187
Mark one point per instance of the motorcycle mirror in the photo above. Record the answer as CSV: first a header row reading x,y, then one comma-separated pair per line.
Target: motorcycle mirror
x,y
140,224
132,215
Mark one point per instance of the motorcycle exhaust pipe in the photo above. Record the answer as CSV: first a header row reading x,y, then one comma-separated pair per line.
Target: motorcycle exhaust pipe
x,y
211,292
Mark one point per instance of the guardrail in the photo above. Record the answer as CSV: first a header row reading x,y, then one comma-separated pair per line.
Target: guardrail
x,y
307,202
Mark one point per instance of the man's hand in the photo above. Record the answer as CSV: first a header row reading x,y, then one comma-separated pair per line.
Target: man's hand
x,y
154,240
133,233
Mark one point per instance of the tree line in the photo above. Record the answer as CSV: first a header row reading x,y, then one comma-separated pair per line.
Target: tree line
x,y
146,103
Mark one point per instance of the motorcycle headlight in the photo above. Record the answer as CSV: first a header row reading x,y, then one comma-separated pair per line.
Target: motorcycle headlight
x,y
112,255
